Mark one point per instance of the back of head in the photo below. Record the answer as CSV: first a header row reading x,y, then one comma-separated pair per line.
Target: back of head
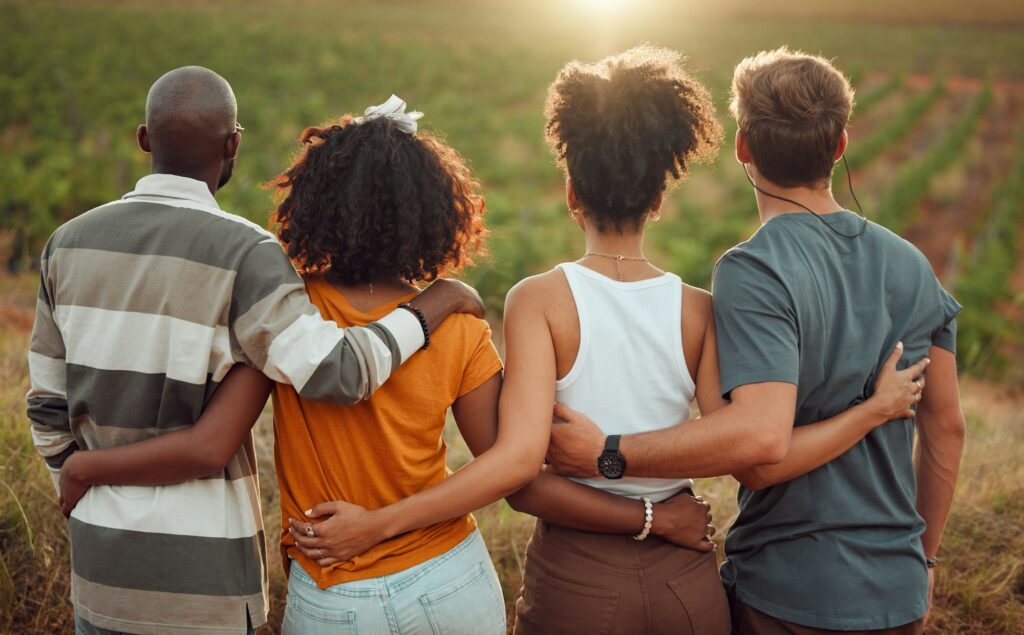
x,y
190,112
624,127
365,200
792,109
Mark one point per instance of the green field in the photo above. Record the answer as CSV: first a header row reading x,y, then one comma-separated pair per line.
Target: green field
x,y
937,152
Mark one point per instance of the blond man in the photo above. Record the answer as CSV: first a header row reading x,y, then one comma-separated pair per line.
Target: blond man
x,y
839,525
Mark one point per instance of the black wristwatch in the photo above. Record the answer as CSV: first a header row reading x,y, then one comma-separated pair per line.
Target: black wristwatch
x,y
611,464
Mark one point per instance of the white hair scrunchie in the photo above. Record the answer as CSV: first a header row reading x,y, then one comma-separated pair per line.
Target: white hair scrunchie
x,y
394,110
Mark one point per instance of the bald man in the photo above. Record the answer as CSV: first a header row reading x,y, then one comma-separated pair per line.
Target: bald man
x,y
145,305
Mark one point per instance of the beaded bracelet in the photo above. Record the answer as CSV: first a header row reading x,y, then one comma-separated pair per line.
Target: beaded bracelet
x,y
423,322
648,519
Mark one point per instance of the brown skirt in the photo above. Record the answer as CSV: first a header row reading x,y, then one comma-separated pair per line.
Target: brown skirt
x,y
594,584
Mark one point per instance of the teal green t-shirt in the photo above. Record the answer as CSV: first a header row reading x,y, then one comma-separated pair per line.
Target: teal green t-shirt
x,y
838,548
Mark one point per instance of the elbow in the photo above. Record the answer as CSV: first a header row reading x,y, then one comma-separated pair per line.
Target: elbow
x,y
522,468
345,397
521,476
752,479
341,392
523,499
952,427
210,460
518,501
772,447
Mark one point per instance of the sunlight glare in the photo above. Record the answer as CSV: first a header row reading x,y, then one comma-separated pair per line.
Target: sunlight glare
x,y
604,6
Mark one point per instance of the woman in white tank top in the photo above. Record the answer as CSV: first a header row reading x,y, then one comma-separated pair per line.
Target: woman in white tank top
x,y
624,343
626,339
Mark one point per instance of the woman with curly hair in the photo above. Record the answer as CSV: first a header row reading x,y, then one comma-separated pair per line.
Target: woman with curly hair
x,y
631,346
377,534
626,344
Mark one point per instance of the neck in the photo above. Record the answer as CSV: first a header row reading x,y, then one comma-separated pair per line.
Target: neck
x,y
385,289
381,285
817,199
210,176
630,244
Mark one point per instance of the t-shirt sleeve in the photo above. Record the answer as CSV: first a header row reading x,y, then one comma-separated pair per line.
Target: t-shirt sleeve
x,y
483,361
945,336
757,332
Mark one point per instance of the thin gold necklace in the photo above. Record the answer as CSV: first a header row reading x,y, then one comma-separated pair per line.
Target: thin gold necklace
x,y
618,258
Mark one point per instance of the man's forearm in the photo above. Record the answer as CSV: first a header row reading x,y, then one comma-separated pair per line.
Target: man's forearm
x,y
729,440
570,504
814,445
162,460
937,463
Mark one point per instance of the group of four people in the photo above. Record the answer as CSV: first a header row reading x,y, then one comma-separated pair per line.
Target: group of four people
x,y
164,322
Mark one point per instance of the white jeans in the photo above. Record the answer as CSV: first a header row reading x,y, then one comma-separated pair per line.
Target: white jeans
x,y
455,593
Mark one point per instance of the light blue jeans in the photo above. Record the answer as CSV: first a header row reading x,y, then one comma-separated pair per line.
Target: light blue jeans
x,y
455,593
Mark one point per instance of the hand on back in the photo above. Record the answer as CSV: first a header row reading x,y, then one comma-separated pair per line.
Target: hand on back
x,y
575,444
72,488
348,531
685,520
897,391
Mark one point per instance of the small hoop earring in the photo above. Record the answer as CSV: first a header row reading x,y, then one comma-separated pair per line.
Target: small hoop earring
x,y
655,217
572,213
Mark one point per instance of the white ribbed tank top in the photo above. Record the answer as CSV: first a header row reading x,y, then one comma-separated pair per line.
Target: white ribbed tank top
x,y
630,374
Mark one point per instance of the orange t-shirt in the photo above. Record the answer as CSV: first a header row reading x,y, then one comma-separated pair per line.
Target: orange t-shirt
x,y
381,450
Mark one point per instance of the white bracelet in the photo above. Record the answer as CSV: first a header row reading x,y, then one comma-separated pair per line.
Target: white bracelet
x,y
648,519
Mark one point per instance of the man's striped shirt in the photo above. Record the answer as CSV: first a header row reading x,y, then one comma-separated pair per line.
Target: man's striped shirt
x,y
144,305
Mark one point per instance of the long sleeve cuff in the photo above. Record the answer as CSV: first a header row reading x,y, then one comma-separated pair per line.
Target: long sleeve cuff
x,y
406,330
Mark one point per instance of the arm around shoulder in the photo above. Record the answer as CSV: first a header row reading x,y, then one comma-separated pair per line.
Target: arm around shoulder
x,y
282,333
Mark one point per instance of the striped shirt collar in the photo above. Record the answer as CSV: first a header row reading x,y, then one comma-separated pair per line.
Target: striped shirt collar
x,y
172,186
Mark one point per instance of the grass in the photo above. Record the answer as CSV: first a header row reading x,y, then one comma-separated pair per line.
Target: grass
x,y
980,583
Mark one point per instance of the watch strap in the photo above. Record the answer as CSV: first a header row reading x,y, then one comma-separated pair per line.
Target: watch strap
x,y
611,443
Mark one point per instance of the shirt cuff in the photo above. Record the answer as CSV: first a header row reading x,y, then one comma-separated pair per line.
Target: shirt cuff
x,y
405,328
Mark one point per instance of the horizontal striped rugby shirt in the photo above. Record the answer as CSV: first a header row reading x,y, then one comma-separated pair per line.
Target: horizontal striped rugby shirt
x,y
144,305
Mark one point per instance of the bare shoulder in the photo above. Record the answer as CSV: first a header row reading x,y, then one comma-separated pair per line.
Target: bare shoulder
x,y
696,305
537,293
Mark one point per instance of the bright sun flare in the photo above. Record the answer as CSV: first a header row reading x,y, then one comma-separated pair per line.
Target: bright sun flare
x,y
605,6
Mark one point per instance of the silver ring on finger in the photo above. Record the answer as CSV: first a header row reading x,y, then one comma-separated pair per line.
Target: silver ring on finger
x,y
309,530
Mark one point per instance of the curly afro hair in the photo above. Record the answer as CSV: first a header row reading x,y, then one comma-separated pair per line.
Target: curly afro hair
x,y
362,202
625,126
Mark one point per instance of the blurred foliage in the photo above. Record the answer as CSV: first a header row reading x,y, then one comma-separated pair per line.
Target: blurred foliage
x,y
74,81
988,325
899,201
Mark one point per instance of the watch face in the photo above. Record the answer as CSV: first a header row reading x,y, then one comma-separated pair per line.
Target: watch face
x,y
611,465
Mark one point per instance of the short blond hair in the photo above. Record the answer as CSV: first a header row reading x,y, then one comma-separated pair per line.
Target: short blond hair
x,y
792,109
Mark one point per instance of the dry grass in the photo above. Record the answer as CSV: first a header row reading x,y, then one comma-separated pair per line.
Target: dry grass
x,y
980,585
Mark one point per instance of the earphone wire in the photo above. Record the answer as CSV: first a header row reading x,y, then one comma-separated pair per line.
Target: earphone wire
x,y
849,181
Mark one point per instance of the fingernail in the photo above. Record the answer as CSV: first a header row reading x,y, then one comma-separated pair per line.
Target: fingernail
x,y
927,360
290,519
899,344
308,511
